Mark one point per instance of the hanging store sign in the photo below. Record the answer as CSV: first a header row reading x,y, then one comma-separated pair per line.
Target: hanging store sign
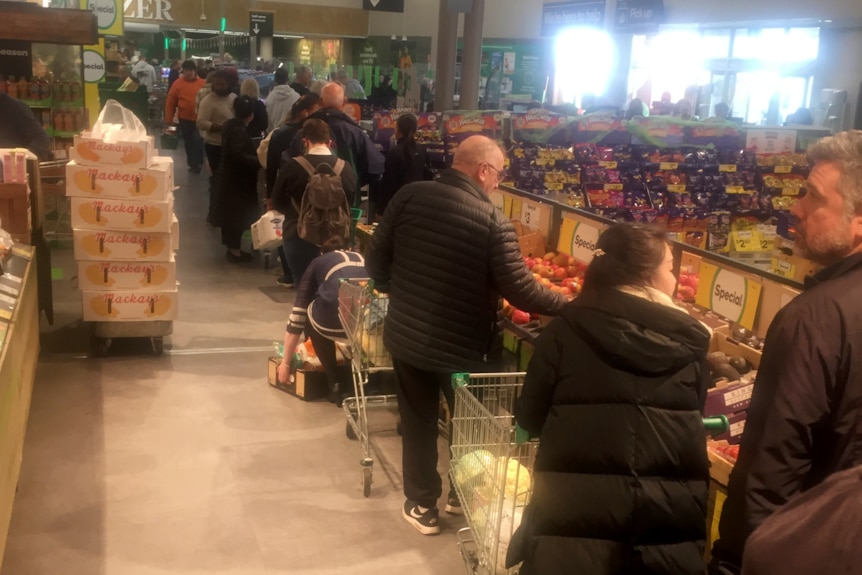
x,y
561,15
109,15
260,24
729,294
158,10
15,58
639,16
383,5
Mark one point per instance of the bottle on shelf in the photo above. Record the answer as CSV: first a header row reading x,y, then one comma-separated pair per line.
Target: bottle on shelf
x,y
57,91
46,119
12,87
33,89
68,121
23,87
44,89
58,120
79,120
76,92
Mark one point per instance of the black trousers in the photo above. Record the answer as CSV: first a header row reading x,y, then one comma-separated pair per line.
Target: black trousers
x,y
419,406
231,237
325,350
193,142
214,159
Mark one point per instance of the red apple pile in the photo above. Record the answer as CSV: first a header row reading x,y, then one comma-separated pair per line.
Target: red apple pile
x,y
687,288
558,272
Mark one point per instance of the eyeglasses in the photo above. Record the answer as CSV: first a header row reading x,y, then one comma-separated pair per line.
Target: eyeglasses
x,y
502,173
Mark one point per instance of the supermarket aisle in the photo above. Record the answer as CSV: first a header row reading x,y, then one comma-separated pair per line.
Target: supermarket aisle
x,y
189,463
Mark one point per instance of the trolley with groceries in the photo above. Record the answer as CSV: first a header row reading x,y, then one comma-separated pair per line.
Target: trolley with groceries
x,y
491,467
362,311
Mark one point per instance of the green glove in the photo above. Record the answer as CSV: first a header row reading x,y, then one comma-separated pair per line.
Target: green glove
x,y
522,436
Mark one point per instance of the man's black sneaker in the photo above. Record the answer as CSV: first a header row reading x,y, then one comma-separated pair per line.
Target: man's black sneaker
x,y
243,257
426,521
453,505
284,282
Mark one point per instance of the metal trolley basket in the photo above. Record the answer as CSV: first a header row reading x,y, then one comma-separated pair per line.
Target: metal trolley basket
x,y
362,311
491,473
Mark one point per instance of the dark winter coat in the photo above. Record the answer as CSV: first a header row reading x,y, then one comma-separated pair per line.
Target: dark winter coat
x,y
279,143
260,124
237,203
447,255
402,169
352,143
615,391
805,418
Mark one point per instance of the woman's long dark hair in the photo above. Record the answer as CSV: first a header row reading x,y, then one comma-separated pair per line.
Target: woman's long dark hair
x,y
407,126
307,102
626,255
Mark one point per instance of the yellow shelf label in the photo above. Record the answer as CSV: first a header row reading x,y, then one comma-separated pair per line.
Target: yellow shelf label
x,y
677,188
613,187
608,165
727,168
668,166
783,169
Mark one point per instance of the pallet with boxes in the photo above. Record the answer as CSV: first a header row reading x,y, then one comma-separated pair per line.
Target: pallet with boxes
x,y
124,230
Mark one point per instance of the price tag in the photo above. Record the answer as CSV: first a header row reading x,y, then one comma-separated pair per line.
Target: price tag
x,y
736,190
746,241
668,166
727,168
677,188
790,191
783,268
613,187
783,169
608,165
530,215
516,209
498,200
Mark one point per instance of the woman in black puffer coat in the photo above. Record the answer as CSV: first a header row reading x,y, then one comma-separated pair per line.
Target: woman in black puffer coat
x,y
615,391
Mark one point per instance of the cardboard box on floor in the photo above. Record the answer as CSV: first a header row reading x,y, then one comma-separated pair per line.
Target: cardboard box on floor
x,y
107,276
130,305
308,385
89,151
94,245
125,215
154,183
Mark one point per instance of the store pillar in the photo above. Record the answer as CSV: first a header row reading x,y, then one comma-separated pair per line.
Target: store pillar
x,y
471,58
447,46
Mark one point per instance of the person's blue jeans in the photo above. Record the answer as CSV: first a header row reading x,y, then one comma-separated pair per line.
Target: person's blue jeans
x,y
194,144
299,254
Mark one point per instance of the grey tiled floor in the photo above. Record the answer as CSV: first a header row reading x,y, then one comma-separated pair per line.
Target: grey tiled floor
x,y
189,463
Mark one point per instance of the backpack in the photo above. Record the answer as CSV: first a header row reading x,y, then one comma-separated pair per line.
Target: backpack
x,y
324,211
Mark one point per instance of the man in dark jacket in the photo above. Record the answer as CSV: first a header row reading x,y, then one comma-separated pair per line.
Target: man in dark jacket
x,y
20,129
302,81
352,143
446,254
804,420
290,188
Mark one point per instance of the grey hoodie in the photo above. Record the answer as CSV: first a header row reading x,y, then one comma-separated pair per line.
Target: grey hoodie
x,y
278,104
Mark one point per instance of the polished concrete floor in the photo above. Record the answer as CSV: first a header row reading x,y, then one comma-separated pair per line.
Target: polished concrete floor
x,y
190,463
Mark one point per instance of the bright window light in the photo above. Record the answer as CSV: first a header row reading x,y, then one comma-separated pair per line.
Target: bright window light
x,y
584,60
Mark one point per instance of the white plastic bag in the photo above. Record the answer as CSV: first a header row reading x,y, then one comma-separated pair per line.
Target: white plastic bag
x,y
117,123
266,232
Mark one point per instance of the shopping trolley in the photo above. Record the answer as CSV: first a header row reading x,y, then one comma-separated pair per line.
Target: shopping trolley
x,y
362,311
491,469
491,473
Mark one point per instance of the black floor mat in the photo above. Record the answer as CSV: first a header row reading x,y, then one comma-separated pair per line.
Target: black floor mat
x,y
278,294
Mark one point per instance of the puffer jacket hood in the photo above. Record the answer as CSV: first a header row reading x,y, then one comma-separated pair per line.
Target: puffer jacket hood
x,y
653,343
279,103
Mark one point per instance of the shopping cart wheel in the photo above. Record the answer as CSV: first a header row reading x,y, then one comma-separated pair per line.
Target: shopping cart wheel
x,y
366,481
349,432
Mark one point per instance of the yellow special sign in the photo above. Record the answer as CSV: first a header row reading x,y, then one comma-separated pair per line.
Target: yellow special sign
x,y
729,294
579,239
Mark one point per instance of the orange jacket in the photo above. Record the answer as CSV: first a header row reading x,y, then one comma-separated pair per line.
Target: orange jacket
x,y
181,98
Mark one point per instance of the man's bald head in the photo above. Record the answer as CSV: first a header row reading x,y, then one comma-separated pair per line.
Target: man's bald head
x,y
332,96
480,158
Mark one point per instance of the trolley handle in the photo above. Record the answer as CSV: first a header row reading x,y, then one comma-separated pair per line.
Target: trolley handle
x,y
716,425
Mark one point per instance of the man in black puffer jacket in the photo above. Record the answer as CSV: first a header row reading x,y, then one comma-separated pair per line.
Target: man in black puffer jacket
x,y
447,255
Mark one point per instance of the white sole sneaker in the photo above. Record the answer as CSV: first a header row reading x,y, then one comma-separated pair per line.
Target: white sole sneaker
x,y
453,510
418,525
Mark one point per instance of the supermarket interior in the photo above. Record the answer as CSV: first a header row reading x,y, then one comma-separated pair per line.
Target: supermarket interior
x,y
194,374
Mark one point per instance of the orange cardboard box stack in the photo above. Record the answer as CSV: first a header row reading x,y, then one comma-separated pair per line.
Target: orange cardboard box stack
x,y
124,230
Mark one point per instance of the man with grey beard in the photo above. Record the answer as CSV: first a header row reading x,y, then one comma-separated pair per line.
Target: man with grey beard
x,y
805,418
